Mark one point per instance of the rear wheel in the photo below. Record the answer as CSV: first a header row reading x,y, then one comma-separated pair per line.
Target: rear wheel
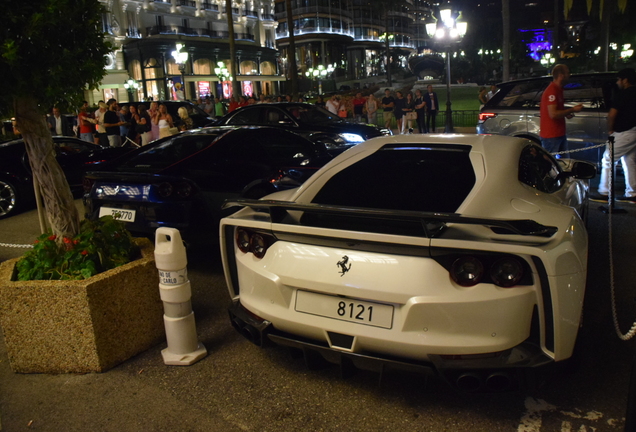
x,y
8,198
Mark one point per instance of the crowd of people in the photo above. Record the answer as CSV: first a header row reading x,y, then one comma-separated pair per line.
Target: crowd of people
x,y
113,125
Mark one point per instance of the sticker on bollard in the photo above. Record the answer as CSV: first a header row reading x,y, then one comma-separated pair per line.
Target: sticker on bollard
x,y
184,347
173,277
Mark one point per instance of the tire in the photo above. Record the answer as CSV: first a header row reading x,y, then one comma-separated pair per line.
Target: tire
x,y
8,199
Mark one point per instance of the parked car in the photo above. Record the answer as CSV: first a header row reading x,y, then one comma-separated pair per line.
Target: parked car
x,y
182,181
465,256
514,110
199,117
74,156
313,122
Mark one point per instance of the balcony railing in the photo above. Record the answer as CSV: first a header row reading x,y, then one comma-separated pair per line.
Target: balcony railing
x,y
200,32
188,3
268,17
250,13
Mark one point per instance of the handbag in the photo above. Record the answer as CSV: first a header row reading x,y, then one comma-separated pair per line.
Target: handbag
x,y
173,131
411,115
342,113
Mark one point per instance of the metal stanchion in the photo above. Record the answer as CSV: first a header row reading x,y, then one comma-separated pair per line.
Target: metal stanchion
x,y
611,208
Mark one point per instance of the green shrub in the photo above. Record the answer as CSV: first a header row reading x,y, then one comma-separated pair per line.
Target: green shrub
x,y
101,245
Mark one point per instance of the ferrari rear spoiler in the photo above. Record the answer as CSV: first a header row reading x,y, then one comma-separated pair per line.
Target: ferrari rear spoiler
x,y
278,211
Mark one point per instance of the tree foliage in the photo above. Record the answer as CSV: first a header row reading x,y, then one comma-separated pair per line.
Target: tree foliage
x,y
50,52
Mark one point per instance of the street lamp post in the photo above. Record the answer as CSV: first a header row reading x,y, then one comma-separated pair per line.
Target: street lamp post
x,y
180,56
319,73
223,73
131,85
448,31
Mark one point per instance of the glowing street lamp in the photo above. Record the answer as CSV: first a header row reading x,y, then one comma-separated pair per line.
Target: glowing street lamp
x,y
447,30
180,56
319,73
131,86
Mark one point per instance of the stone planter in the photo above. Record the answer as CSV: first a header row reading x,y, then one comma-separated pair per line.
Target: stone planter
x,y
81,326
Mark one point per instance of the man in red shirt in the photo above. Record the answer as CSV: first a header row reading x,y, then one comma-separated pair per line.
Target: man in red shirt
x,y
358,107
553,113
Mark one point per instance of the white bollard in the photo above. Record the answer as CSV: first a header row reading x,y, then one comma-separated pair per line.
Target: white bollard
x,y
183,348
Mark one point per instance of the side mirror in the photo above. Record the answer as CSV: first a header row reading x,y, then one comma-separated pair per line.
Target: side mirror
x,y
583,170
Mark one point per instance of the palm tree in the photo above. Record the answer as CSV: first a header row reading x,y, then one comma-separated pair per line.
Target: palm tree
x,y
236,89
291,52
505,12
606,8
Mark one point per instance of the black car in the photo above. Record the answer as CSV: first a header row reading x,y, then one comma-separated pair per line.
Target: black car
x,y
199,117
181,181
313,122
74,156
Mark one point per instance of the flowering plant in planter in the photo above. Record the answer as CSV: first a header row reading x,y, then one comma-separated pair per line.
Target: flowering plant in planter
x,y
101,245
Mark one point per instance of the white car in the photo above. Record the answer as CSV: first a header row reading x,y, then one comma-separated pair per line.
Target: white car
x,y
464,255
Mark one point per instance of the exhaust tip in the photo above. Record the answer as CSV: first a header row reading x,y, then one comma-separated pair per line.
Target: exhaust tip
x,y
469,382
499,382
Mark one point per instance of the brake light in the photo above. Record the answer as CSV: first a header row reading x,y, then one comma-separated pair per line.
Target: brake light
x,y
178,189
505,272
467,271
485,116
255,242
87,184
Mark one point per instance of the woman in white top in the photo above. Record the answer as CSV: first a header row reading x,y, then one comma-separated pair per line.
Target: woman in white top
x,y
371,106
164,121
333,104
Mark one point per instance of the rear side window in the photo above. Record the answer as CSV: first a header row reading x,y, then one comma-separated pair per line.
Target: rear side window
x,y
419,178
518,95
537,168
587,91
246,117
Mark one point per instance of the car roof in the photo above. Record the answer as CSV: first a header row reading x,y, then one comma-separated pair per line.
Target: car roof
x,y
549,77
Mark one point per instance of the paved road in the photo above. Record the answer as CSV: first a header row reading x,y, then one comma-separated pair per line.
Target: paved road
x,y
240,387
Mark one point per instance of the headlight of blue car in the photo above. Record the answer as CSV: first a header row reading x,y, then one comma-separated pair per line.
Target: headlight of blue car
x,y
351,137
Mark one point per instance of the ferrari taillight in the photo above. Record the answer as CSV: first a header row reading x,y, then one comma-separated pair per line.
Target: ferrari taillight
x,y
506,272
257,243
469,270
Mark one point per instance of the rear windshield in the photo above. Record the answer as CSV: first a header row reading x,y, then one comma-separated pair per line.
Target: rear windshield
x,y
420,178
433,178
161,154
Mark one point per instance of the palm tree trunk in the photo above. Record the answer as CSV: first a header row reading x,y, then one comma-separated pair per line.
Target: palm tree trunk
x,y
236,88
58,199
505,12
387,46
605,32
291,54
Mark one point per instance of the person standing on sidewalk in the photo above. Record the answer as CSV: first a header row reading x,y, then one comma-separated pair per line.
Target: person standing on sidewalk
x,y
553,113
432,106
621,124
388,103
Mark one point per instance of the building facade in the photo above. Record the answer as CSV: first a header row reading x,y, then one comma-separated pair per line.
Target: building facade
x,y
348,35
145,34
